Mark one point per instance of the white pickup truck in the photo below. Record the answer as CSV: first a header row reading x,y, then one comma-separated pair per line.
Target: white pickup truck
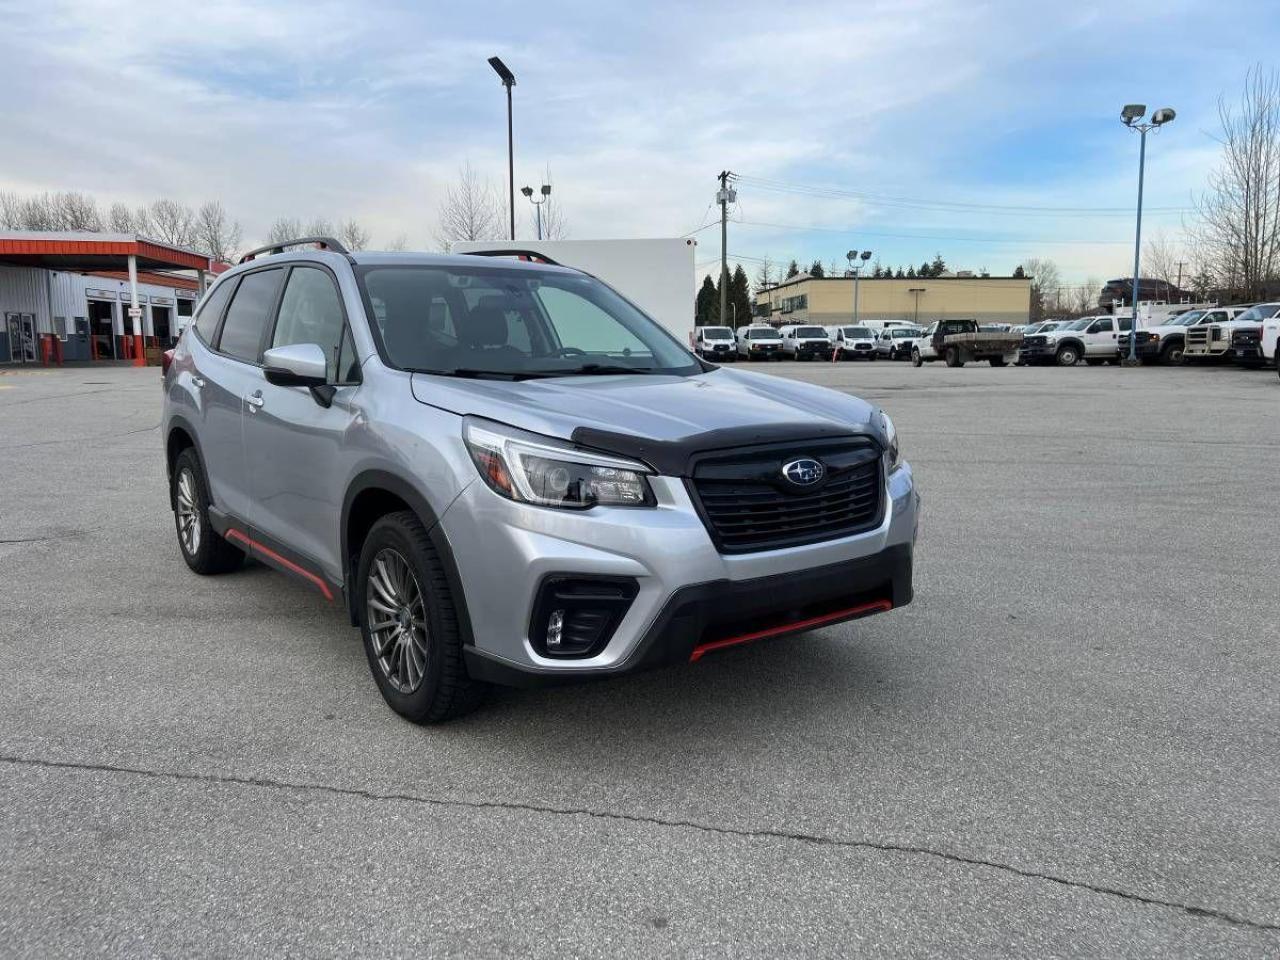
x,y
1092,339
1212,336
1271,340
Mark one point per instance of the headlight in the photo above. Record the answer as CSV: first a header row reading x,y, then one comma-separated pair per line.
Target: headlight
x,y
531,469
891,441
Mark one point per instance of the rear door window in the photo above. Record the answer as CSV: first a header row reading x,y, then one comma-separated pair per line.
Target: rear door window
x,y
210,311
248,315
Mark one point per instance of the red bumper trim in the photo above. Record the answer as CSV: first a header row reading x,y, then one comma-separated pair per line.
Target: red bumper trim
x,y
849,613
255,546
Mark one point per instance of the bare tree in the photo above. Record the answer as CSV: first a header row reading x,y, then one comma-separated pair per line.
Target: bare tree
x,y
172,223
764,275
470,210
1162,260
1046,283
1239,213
120,219
1085,298
216,235
10,211
319,227
401,242
352,235
284,228
77,211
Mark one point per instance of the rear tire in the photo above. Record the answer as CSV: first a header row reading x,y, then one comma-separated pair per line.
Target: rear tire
x,y
997,361
415,650
916,359
205,552
952,357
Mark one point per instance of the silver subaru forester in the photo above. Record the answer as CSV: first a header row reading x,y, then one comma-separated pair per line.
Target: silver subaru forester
x,y
510,474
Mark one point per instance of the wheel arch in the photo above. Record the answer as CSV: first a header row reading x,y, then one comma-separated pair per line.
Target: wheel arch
x,y
1070,342
374,494
181,436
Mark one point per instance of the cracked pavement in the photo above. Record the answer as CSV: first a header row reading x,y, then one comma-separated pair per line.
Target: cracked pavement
x,y
1065,747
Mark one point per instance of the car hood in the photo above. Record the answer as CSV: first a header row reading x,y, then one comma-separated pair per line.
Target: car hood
x,y
666,409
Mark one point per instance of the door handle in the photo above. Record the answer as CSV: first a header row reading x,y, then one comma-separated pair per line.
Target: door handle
x,y
197,382
254,400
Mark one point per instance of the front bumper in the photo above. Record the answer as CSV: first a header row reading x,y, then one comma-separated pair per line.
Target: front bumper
x,y
688,594
822,350
1041,353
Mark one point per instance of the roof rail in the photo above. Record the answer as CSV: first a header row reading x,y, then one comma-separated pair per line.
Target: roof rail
x,y
532,255
324,243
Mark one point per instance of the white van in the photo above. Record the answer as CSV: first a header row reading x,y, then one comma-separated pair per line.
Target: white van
x,y
850,342
805,342
714,343
759,343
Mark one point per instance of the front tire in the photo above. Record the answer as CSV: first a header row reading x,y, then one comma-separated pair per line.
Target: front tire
x,y
1171,354
409,623
916,359
205,552
952,357
1067,356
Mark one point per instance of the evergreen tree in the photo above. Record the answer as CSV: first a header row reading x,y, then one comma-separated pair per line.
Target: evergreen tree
x,y
924,270
739,299
911,272
815,270
938,267
707,306
1019,272
900,274
793,269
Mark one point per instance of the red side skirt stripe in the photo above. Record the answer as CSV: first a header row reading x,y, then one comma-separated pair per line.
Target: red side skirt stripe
x,y
254,545
877,606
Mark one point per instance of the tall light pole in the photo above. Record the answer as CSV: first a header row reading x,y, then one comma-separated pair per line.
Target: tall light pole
x,y
537,204
508,80
853,256
1131,117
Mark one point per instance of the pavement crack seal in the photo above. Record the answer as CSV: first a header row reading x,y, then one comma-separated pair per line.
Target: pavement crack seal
x,y
515,806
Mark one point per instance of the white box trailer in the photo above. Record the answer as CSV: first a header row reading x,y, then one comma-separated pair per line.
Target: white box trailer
x,y
656,275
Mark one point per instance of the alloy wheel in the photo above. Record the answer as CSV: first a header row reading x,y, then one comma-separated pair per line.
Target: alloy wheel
x,y
396,614
188,513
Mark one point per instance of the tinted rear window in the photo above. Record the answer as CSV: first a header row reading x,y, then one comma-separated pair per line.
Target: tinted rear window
x,y
211,310
247,315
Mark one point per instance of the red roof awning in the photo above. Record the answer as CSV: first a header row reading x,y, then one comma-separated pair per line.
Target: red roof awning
x,y
95,251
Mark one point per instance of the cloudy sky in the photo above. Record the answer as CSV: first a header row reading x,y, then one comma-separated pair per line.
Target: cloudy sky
x,y
988,132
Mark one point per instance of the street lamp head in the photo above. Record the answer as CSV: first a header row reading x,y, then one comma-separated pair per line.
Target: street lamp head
x,y
546,189
866,254
527,191
1162,116
500,68
851,256
1132,112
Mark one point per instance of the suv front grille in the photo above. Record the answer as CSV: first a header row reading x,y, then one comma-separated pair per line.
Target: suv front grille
x,y
748,505
1247,337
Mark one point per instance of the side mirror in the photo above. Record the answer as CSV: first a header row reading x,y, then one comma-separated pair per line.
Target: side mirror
x,y
297,365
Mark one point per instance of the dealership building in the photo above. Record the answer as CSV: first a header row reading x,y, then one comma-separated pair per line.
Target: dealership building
x,y
94,296
828,301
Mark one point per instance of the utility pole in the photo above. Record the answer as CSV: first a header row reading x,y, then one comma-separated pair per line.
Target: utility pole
x,y
724,196
1181,264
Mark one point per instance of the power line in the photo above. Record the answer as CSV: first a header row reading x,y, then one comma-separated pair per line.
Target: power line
x,y
918,236
953,206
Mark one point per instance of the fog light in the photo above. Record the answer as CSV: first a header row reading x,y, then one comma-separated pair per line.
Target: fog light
x,y
555,626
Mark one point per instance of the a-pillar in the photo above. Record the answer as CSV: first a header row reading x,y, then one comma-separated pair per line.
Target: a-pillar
x,y
135,314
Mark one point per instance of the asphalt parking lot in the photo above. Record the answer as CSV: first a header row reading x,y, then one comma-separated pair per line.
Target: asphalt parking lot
x,y
1067,746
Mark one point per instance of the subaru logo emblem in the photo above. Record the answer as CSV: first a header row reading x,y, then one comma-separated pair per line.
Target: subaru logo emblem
x,y
804,472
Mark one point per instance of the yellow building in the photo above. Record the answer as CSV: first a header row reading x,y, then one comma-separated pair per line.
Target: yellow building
x,y
828,301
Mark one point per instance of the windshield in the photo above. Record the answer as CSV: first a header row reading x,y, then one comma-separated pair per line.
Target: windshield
x,y
1081,323
717,333
473,321
810,332
857,332
899,332
761,333
1263,311
1186,319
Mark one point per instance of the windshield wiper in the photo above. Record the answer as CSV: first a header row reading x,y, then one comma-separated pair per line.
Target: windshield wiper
x,y
594,370
470,373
